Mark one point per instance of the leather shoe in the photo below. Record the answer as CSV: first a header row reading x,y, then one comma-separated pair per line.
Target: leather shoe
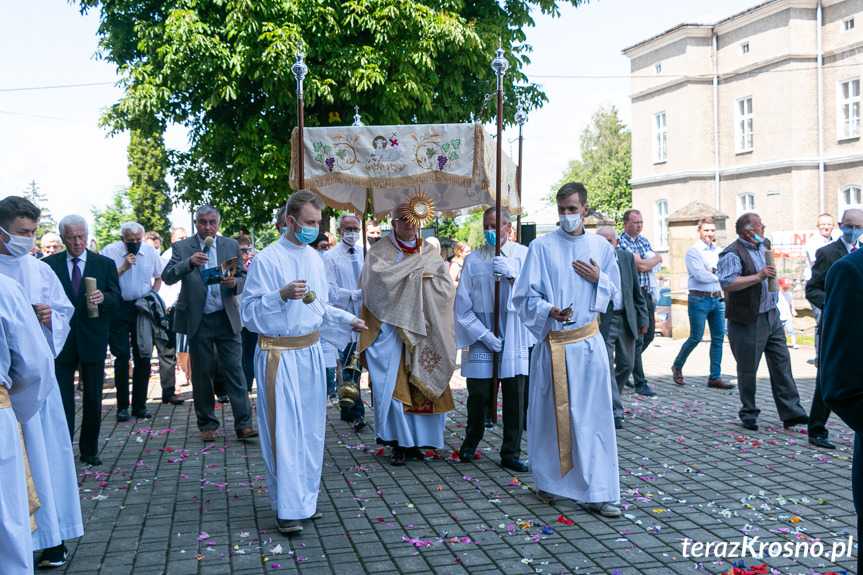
x,y
208,435
618,423
629,384
489,423
644,390
247,433
515,464
94,460
799,420
545,496
466,453
677,376
359,424
398,456
821,441
142,414
750,424
173,399
223,399
122,415
718,384
289,526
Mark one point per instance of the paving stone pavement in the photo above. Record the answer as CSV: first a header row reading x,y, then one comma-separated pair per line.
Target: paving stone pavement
x,y
165,502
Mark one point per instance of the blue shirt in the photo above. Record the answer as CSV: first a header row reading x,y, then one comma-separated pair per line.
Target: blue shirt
x,y
729,269
638,246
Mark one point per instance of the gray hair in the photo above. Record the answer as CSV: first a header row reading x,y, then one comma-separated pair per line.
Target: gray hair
x,y
72,220
504,214
133,227
349,215
49,237
601,231
206,210
280,215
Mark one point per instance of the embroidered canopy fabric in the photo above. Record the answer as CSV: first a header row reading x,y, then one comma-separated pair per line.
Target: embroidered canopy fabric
x,y
453,164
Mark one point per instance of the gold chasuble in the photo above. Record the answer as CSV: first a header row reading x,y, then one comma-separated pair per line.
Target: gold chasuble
x,y
415,295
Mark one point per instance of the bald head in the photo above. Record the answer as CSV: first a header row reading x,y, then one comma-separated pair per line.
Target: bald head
x,y
608,233
50,243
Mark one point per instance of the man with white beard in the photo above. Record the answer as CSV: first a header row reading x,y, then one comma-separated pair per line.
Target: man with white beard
x,y
46,434
568,279
289,363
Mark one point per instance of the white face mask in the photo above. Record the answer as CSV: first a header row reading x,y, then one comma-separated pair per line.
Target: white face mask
x,y
18,246
351,238
570,222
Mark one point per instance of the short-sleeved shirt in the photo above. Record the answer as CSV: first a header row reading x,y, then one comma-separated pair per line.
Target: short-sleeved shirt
x,y
638,246
136,282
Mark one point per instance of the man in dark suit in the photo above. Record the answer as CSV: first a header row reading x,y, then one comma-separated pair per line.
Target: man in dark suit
x,y
621,325
841,376
825,257
88,336
209,315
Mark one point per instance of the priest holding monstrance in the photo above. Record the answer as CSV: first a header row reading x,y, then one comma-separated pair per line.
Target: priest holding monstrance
x,y
410,344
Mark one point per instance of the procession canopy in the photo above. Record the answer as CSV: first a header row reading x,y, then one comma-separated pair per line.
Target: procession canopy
x,y
453,164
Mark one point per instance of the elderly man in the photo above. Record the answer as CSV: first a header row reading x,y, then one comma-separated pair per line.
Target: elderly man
x,y
49,244
88,336
208,313
343,263
568,279
26,380
622,323
474,330
289,363
753,323
47,440
139,268
410,345
705,304
852,228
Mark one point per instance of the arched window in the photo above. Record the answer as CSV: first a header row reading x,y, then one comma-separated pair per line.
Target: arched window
x,y
661,225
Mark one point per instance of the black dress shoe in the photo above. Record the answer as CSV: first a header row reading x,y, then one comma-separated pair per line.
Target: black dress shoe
x,y
489,423
618,423
91,460
223,399
466,453
750,424
359,424
629,384
515,464
799,420
398,456
821,441
173,399
644,390
53,557
142,414
122,415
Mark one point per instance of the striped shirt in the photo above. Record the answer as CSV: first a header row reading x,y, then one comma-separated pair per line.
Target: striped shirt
x,y
729,269
638,246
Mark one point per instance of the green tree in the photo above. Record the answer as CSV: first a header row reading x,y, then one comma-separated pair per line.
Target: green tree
x,y
447,228
149,192
46,220
107,222
223,70
605,167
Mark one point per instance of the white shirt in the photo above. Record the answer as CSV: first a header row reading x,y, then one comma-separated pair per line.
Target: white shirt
x,y
82,263
848,246
137,280
214,296
169,294
700,259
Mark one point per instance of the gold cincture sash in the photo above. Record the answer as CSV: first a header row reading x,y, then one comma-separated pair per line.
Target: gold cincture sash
x,y
557,340
274,346
32,498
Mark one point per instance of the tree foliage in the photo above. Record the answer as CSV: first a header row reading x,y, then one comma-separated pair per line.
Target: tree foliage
x,y
447,228
605,167
222,69
149,192
107,221
46,220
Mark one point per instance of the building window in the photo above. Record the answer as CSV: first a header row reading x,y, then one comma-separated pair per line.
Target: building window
x,y
849,198
662,225
745,203
744,48
657,68
744,126
848,113
660,152
848,24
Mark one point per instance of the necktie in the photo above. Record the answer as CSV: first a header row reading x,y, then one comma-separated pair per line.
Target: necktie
x,y
211,263
76,276
854,249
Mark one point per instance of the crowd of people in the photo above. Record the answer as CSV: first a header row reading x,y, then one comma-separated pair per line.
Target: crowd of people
x,y
303,316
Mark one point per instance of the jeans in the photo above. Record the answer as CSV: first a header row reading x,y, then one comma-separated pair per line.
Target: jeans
x,y
711,309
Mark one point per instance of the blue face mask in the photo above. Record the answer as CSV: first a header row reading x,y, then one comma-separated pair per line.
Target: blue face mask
x,y
490,237
307,234
284,230
851,235
758,239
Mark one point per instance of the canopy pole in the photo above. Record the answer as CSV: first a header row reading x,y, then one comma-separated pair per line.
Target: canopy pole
x,y
300,70
520,118
499,65
365,217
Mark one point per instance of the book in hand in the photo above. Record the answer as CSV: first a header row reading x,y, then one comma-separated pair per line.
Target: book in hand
x,y
215,275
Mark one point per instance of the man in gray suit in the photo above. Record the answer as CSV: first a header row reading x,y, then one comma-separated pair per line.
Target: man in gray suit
x,y
621,325
209,315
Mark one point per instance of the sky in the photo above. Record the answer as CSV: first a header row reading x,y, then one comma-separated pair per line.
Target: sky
x,y
51,136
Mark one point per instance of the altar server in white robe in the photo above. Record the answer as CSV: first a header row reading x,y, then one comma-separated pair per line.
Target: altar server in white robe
x,y
26,371
52,462
289,363
568,278
410,344
474,327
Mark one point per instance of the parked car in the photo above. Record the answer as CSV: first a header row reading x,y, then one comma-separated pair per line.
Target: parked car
x,y
662,314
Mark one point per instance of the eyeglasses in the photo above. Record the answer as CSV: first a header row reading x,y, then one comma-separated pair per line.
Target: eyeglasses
x,y
245,250
351,229
76,238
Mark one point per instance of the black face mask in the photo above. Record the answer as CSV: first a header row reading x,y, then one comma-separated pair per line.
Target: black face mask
x,y
133,247
373,241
